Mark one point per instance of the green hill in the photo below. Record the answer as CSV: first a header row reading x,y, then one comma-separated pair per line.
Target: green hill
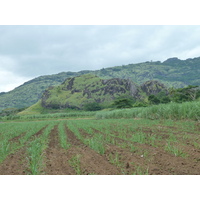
x,y
77,91
172,72
87,89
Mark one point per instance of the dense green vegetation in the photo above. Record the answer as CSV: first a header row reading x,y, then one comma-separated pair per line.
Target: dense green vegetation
x,y
173,73
174,111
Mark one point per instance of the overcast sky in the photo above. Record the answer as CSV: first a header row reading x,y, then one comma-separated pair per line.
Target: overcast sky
x,y
27,52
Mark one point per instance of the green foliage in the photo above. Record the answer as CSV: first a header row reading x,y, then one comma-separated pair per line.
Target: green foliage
x,y
174,150
174,111
165,99
62,136
10,111
140,104
153,99
76,164
94,106
123,103
36,147
189,93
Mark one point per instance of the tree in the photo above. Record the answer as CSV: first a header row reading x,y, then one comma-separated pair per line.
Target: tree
x,y
123,103
94,106
165,99
153,99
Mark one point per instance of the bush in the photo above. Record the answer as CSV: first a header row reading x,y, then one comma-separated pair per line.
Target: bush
x,y
92,106
123,103
140,104
153,99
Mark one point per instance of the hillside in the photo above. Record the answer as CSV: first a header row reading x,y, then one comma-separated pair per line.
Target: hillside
x,y
31,91
172,72
88,88
77,91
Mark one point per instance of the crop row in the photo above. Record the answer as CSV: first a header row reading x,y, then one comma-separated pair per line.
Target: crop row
x,y
130,133
127,134
9,131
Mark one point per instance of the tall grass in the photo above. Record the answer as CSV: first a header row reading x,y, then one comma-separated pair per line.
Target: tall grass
x,y
50,116
174,111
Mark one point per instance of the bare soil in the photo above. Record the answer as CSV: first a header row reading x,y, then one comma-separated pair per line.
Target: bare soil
x,y
90,161
17,163
56,158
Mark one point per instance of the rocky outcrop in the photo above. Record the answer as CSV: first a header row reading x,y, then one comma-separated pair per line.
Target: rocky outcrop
x,y
153,87
112,88
77,91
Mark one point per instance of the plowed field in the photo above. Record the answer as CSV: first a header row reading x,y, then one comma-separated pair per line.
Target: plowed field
x,y
101,147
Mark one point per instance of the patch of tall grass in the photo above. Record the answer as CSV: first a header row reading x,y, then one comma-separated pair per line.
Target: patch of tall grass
x,y
76,114
173,111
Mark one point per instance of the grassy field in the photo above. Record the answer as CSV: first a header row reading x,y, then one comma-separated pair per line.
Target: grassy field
x,y
130,145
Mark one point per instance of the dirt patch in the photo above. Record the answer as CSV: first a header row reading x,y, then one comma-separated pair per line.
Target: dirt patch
x,y
147,159
90,161
56,158
16,139
40,132
85,135
15,164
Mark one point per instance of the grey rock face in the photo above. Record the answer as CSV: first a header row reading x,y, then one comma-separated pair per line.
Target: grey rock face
x,y
153,87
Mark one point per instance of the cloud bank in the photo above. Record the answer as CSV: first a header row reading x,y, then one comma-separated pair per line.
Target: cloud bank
x,y
30,51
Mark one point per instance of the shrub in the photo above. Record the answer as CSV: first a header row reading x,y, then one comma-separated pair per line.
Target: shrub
x,y
92,106
123,103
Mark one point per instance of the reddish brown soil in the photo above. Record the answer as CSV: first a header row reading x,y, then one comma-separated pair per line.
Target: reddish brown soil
x,y
16,163
56,158
40,132
90,161
154,160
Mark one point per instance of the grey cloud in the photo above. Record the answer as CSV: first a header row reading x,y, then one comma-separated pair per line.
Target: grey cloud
x,y
30,51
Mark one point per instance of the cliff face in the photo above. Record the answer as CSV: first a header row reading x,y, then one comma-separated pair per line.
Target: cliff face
x,y
153,87
77,91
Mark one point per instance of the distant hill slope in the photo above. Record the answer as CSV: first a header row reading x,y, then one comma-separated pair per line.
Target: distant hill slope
x,y
88,88
172,72
78,91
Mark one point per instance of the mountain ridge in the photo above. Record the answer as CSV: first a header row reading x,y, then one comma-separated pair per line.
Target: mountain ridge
x,y
173,72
